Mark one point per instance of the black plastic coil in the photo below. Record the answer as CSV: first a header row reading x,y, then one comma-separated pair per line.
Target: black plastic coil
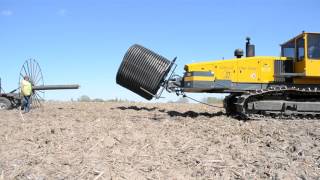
x,y
142,70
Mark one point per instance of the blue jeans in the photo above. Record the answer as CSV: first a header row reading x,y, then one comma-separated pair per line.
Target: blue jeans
x,y
26,103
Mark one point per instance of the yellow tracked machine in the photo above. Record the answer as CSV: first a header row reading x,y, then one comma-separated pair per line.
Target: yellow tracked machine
x,y
258,86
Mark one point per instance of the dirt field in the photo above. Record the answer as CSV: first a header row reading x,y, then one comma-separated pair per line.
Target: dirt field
x,y
153,141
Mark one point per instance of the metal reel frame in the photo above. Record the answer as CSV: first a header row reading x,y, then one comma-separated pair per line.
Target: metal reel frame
x,y
31,68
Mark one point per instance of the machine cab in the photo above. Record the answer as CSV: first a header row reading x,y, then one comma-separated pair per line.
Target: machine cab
x,y
304,50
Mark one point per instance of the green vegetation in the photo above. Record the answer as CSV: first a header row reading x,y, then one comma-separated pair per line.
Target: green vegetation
x,y
84,98
97,100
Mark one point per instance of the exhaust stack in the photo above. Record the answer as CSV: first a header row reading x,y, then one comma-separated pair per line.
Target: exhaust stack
x,y
250,48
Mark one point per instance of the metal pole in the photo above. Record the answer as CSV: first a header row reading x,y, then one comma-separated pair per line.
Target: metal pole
x,y
56,87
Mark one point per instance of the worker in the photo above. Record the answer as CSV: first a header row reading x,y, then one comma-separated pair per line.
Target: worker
x,y
26,91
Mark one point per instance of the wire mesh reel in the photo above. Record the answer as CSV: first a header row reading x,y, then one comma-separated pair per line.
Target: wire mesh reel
x,y
31,68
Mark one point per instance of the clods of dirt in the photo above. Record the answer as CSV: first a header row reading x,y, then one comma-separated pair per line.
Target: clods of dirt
x,y
153,141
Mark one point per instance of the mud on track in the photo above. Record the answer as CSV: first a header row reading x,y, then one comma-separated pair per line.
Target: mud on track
x,y
153,141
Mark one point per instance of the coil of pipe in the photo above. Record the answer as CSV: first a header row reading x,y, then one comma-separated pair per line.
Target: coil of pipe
x,y
142,71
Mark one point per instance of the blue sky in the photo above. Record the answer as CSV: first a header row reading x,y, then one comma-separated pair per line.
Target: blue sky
x,y
84,41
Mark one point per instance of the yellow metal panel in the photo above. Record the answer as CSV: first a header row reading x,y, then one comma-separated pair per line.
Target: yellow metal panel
x,y
199,78
226,70
313,68
258,69
299,66
249,70
267,70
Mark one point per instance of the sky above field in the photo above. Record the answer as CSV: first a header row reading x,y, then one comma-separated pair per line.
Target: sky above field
x,y
84,41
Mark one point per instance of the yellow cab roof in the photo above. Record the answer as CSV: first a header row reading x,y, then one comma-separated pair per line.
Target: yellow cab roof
x,y
301,34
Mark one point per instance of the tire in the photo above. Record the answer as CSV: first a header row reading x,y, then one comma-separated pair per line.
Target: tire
x,y
142,70
5,104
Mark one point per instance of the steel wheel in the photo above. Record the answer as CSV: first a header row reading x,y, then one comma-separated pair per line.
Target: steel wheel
x,y
5,104
32,69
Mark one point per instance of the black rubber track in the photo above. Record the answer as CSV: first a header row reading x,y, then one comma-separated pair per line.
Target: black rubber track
x,y
142,68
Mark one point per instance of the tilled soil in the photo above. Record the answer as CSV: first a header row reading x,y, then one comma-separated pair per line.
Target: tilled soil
x,y
153,141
